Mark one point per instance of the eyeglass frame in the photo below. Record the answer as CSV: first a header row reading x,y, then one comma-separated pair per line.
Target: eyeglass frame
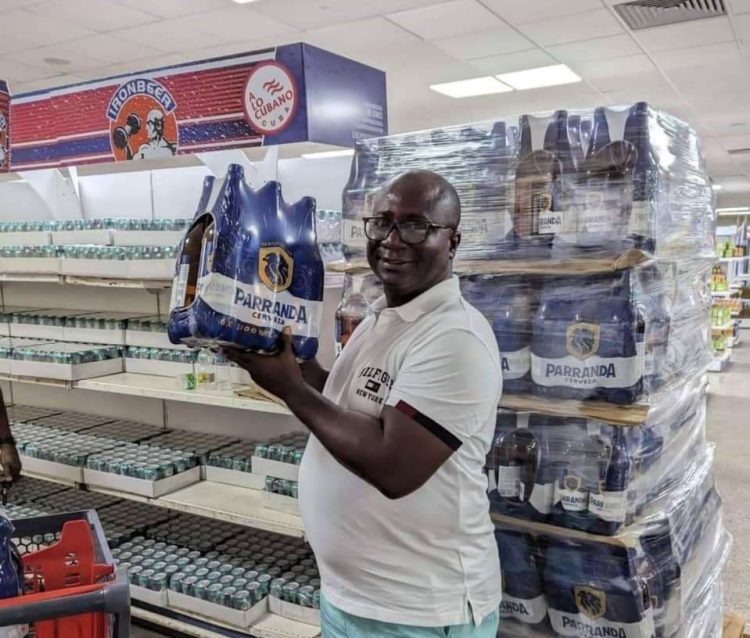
x,y
397,226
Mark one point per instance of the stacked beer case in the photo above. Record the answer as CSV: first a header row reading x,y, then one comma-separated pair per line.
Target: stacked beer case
x,y
587,240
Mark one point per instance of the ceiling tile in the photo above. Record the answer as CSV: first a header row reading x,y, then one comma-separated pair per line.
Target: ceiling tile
x,y
93,14
313,14
742,24
133,66
508,63
520,11
723,55
409,58
675,36
86,53
235,23
169,8
24,30
360,36
447,19
571,28
629,65
734,141
8,5
171,36
739,6
614,46
14,72
484,43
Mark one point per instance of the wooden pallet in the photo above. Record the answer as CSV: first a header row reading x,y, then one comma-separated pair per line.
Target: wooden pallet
x,y
734,626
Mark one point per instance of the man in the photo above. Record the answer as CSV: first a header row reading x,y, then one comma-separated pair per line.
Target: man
x,y
157,145
392,493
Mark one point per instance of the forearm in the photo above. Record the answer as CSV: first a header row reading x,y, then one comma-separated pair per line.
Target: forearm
x,y
356,440
4,422
314,374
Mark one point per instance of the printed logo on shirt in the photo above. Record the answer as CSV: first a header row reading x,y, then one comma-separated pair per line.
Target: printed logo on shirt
x,y
371,381
591,602
582,340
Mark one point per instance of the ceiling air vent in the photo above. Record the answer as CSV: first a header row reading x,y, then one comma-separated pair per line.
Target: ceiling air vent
x,y
643,14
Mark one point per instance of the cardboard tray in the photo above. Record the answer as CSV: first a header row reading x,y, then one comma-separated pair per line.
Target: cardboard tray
x,y
59,471
31,265
249,480
94,335
233,617
277,469
100,237
280,503
142,487
143,339
27,238
158,598
35,331
64,371
103,268
294,612
158,368
147,237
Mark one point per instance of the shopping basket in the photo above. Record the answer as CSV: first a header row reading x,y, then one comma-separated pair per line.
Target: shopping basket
x,y
73,589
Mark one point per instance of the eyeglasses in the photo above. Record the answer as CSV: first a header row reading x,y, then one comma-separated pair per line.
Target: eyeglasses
x,y
413,231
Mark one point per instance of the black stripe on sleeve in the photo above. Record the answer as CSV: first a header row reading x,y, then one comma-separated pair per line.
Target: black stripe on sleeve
x,y
450,439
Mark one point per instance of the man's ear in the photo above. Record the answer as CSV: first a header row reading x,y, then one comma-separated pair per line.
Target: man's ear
x,y
455,241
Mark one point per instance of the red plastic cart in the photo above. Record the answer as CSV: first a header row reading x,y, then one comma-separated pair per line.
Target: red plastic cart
x,y
73,587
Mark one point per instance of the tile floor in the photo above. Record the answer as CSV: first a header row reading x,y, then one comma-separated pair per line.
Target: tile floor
x,y
729,428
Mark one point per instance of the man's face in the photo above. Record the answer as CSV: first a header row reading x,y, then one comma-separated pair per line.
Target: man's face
x,y
409,269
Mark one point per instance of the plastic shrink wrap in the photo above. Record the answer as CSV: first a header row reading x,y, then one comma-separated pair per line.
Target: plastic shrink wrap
x,y
620,337
248,267
659,576
593,183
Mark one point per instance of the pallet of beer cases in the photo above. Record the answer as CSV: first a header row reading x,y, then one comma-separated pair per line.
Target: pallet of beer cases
x,y
595,189
587,242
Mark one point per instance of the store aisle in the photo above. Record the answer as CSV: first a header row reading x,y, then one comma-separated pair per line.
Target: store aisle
x,y
729,428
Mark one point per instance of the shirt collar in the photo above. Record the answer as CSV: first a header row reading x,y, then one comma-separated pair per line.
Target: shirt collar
x,y
422,304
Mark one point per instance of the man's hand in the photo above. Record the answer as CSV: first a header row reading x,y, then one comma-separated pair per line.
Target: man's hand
x,y
10,461
277,373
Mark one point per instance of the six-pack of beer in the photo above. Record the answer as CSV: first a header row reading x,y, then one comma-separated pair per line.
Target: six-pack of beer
x,y
248,267
587,241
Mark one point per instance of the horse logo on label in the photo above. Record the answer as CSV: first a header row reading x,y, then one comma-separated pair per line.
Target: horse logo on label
x,y
582,340
591,602
275,268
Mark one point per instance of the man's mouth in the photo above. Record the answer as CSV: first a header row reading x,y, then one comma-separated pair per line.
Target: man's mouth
x,y
388,261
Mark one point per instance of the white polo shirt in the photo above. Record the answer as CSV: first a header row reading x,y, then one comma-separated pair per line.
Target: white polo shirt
x,y
427,558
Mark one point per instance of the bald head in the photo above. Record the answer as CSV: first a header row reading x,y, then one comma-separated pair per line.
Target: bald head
x,y
432,192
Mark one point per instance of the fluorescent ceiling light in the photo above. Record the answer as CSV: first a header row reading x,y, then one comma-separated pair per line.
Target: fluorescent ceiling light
x,y
717,187
736,209
469,88
244,1
541,76
324,154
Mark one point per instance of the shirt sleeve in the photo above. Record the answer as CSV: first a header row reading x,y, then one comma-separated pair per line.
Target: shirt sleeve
x,y
449,385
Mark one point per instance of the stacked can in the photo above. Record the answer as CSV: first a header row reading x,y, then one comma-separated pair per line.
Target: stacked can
x,y
146,462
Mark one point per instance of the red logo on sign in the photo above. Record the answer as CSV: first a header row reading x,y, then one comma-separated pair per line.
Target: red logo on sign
x,y
271,98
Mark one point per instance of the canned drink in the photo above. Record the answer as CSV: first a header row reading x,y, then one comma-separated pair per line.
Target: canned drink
x,y
316,599
188,585
274,572
133,573
213,564
240,583
242,600
160,555
226,595
297,569
212,555
214,576
289,592
303,580
158,581
214,593
200,562
305,596
201,589
256,591
251,574
159,566
171,569
190,569
315,582
144,577
202,572
176,582
226,580
148,563
276,587
194,555
264,582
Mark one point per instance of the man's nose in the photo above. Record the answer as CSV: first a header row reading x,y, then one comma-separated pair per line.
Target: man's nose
x,y
393,238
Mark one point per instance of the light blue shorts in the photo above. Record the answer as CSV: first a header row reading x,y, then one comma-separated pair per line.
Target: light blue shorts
x,y
338,624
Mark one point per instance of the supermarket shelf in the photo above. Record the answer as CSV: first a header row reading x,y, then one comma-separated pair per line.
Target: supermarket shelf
x,y
724,260
139,284
232,504
627,259
611,413
155,387
723,294
25,278
726,326
269,626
